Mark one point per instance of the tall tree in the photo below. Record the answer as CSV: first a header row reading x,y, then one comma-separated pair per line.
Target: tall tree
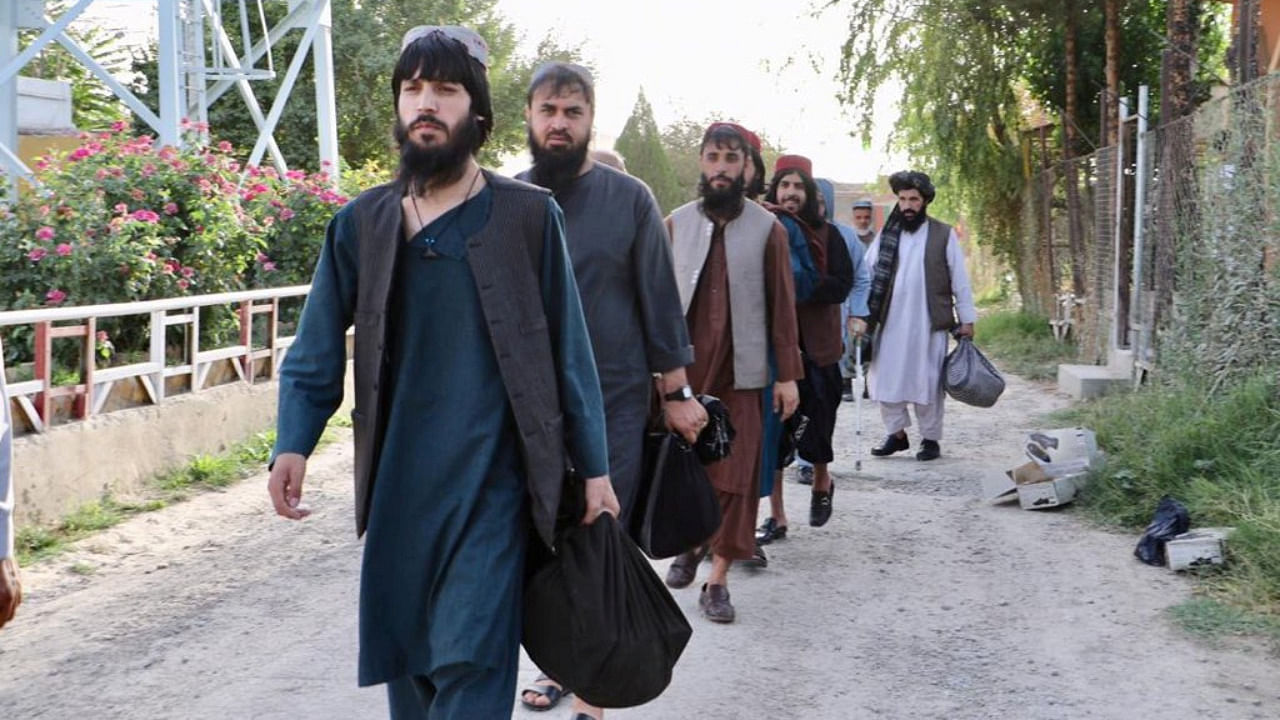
x,y
1070,146
1111,21
1176,202
641,144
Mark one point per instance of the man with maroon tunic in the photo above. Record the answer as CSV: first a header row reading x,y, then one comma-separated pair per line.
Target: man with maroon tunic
x,y
729,252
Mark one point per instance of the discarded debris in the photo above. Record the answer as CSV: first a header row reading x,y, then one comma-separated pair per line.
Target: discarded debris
x,y
1197,548
1171,519
1060,461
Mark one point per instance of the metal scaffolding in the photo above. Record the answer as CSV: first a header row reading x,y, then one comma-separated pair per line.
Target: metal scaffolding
x,y
191,76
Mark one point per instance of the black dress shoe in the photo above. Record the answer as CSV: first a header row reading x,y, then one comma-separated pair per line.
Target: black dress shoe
x,y
929,450
770,531
892,444
820,507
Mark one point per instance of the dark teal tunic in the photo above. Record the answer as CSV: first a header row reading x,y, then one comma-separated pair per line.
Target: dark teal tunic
x,y
444,550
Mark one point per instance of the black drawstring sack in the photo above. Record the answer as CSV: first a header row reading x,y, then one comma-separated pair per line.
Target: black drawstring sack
x,y
676,508
715,442
793,429
599,621
1171,519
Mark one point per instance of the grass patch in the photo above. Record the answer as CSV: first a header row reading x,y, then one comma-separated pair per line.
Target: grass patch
x,y
202,473
1022,343
1211,619
1217,454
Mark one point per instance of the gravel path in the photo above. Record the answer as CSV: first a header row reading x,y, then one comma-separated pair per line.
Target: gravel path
x,y
918,600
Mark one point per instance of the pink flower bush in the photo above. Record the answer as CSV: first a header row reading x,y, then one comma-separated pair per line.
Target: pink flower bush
x,y
63,249
45,233
37,254
55,296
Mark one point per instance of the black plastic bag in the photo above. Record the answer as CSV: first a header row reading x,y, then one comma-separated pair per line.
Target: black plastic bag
x,y
599,621
676,508
715,442
793,428
1171,519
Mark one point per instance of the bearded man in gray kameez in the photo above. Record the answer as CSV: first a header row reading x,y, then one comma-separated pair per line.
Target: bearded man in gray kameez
x,y
919,294
473,374
622,260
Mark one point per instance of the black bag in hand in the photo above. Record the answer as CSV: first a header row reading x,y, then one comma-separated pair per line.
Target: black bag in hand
x,y
599,621
676,508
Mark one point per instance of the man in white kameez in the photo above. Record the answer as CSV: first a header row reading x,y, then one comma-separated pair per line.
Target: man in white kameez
x,y
920,295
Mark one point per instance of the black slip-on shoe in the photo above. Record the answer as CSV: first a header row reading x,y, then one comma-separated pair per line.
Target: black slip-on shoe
x,y
929,450
892,444
770,531
820,507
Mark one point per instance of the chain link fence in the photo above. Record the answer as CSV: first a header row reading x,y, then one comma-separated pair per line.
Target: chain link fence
x,y
1207,300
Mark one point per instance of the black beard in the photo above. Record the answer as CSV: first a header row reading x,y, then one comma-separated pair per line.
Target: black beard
x,y
912,224
556,169
422,167
722,203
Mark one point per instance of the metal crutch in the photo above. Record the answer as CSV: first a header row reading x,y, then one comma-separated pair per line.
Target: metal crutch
x,y
859,385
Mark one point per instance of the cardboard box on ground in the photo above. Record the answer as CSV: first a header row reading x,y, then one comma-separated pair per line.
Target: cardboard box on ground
x,y
1057,469
1197,548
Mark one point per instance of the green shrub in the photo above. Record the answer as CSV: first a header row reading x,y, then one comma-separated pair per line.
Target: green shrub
x,y
119,219
1216,453
1022,343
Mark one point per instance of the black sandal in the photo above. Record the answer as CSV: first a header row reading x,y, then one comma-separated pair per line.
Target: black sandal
x,y
540,687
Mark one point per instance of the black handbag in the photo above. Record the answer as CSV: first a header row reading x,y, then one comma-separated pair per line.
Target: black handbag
x,y
676,508
599,621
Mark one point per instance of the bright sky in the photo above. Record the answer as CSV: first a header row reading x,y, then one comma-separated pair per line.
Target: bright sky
x,y
695,58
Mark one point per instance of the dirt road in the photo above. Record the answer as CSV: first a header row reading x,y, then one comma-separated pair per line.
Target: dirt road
x,y
918,600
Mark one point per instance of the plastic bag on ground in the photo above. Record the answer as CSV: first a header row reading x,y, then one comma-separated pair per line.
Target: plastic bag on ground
x,y
1171,519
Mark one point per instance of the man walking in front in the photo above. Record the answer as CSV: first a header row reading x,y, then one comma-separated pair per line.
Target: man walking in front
x,y
10,587
730,253
920,293
473,378
622,260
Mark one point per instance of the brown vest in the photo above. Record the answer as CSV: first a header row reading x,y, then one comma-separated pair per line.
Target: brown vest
x,y
937,280
505,258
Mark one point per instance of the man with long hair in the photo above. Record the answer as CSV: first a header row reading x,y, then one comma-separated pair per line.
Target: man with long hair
x,y
731,252
473,379
622,260
793,190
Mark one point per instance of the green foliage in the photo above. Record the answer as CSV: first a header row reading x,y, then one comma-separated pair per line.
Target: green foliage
x,y
93,105
641,144
120,220
1214,452
1022,343
366,44
1210,619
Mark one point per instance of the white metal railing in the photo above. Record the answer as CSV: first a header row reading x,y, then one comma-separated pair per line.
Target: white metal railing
x,y
35,396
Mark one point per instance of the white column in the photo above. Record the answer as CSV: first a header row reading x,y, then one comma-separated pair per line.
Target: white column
x,y
169,61
9,93
326,106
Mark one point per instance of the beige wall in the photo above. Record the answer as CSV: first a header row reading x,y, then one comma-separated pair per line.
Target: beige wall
x,y
57,471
